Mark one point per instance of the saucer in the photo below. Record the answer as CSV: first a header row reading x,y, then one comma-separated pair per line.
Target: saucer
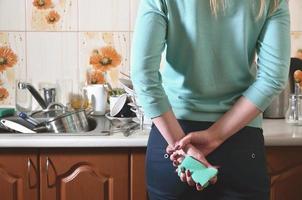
x,y
122,119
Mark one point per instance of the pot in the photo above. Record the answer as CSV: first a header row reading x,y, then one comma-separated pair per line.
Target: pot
x,y
64,121
70,122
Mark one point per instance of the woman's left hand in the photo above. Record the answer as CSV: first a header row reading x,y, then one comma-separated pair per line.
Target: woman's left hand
x,y
204,141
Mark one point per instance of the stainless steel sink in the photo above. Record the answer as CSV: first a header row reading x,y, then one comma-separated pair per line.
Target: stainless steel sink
x,y
99,125
92,125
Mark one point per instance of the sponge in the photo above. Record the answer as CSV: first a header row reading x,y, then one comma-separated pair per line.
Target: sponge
x,y
5,112
200,173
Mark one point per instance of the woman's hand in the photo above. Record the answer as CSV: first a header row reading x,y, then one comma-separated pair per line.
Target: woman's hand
x,y
178,155
198,145
205,141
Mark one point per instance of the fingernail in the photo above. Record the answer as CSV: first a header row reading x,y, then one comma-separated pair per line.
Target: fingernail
x,y
183,170
189,173
198,185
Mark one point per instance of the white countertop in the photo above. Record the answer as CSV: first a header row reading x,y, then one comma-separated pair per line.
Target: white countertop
x,y
276,133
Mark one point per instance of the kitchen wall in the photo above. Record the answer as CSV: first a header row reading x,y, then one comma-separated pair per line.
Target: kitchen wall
x,y
53,42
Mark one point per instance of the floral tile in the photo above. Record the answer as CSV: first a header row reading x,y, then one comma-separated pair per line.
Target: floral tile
x,y
296,42
52,58
12,15
105,51
52,15
104,15
12,64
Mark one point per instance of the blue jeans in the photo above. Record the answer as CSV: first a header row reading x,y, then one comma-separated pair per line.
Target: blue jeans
x,y
242,173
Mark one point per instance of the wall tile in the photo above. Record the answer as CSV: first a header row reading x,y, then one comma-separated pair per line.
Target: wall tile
x,y
296,42
12,15
295,7
104,15
16,42
67,16
52,57
90,41
134,4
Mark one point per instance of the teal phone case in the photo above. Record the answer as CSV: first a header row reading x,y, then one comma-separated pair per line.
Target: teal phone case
x,y
200,173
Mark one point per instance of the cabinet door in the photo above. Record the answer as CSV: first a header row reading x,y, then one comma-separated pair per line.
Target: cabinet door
x,y
137,167
19,176
81,174
285,168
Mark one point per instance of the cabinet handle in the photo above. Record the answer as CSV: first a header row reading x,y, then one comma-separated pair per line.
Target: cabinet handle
x,y
49,165
29,166
28,170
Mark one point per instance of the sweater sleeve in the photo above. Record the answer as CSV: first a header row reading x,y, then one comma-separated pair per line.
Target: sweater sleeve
x,y
148,44
273,50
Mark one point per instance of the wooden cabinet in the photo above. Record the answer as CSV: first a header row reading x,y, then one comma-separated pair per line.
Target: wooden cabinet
x,y
82,174
19,175
285,168
64,174
112,174
137,171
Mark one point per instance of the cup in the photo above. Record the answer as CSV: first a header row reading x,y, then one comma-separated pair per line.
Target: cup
x,y
97,97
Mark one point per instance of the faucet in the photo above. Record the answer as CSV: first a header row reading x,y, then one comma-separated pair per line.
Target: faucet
x,y
34,92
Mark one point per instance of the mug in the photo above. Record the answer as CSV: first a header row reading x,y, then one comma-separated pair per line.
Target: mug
x,y
97,96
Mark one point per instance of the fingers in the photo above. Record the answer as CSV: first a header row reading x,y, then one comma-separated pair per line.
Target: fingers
x,y
199,187
184,141
189,178
170,149
213,180
182,176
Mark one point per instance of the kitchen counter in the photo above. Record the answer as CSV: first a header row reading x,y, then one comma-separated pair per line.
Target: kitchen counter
x,y
276,133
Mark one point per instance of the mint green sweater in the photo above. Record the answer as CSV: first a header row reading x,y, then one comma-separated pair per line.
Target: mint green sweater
x,y
209,61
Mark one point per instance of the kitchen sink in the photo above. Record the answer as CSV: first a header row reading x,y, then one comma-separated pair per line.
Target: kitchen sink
x,y
91,121
98,125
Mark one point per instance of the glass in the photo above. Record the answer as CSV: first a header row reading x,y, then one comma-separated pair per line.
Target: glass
x,y
23,100
294,111
64,90
79,99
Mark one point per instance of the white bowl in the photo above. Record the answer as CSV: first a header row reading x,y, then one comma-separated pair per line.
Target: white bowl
x,y
118,105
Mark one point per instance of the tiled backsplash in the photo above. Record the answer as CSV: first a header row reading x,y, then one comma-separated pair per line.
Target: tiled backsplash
x,y
54,39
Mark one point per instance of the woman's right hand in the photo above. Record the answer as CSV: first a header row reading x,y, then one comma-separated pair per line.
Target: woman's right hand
x,y
177,156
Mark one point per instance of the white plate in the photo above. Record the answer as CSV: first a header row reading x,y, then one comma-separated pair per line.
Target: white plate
x,y
122,119
127,85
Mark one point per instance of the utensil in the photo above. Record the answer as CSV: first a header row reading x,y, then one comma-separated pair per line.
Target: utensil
x,y
15,126
126,128
29,119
